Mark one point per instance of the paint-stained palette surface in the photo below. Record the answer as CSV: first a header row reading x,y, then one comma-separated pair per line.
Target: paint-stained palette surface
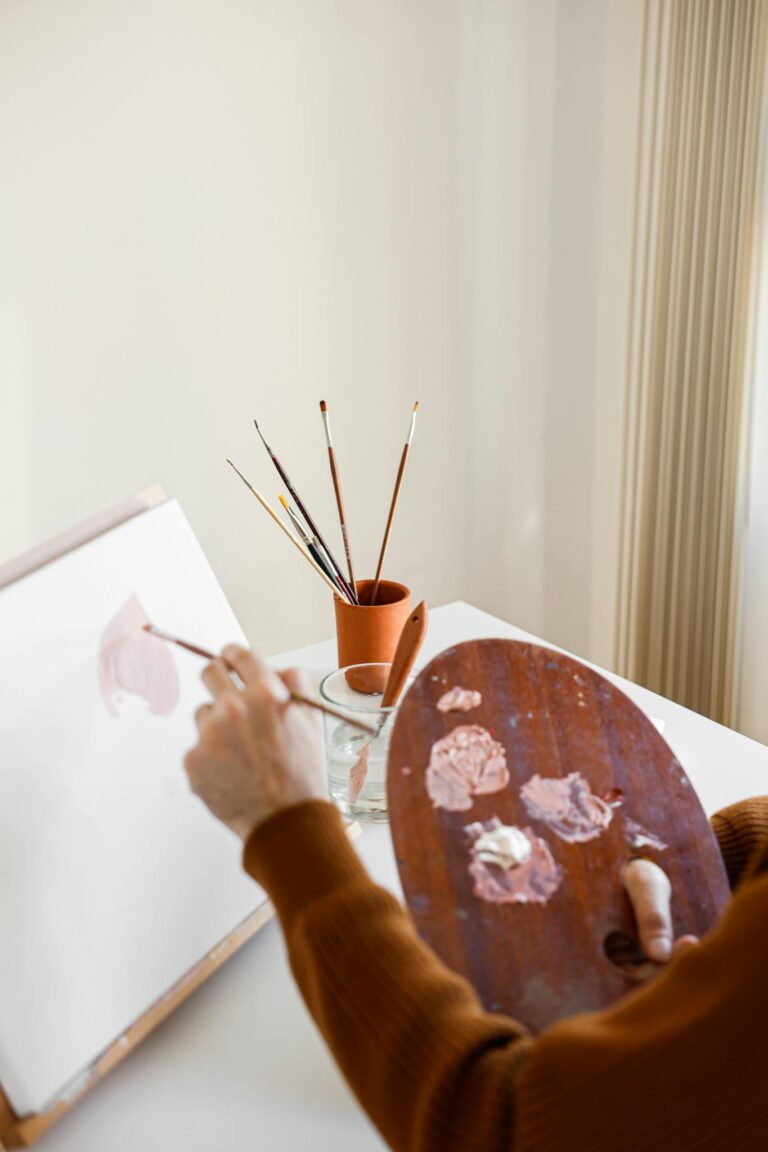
x,y
497,732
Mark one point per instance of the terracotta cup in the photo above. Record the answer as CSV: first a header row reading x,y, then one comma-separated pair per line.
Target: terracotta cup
x,y
368,633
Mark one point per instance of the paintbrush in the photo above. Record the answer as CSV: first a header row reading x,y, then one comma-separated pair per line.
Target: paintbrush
x,y
265,504
313,547
337,490
297,697
352,594
393,505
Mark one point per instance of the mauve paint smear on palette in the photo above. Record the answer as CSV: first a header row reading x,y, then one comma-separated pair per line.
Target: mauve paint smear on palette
x,y
567,806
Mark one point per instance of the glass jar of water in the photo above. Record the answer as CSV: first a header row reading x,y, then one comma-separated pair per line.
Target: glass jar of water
x,y
356,758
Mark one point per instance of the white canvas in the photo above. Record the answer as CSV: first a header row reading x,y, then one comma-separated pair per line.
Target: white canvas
x,y
114,879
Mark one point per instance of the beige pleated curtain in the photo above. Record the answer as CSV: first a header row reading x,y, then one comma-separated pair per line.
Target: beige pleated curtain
x,y
683,497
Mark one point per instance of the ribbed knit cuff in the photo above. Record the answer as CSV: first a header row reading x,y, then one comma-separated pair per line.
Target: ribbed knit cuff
x,y
301,854
742,831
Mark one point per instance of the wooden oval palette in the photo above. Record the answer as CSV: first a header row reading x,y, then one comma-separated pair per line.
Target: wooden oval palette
x,y
543,956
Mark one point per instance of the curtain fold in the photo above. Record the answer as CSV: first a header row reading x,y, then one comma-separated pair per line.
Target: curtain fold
x,y
684,484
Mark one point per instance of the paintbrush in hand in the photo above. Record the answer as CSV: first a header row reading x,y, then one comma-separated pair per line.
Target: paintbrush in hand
x,y
393,505
297,697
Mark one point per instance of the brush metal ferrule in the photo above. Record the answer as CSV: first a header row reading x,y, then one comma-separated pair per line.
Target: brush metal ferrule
x,y
303,534
327,426
261,435
161,635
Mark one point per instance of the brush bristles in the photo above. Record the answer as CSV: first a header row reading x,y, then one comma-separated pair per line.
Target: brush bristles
x,y
283,501
263,440
413,424
326,423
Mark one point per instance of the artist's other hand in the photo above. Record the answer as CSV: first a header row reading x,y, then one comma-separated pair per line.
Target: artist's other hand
x,y
257,751
650,893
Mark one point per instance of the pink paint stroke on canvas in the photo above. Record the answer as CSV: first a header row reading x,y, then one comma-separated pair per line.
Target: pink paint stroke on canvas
x,y
567,806
533,881
467,762
459,700
135,662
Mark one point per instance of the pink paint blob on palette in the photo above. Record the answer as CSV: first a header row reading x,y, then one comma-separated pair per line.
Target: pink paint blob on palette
x,y
459,700
133,662
510,831
467,762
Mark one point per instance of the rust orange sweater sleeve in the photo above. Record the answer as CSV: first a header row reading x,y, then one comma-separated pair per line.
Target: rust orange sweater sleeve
x,y
679,1066
741,830
411,1038
676,1066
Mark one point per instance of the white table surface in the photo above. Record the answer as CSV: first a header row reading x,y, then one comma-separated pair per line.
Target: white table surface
x,y
240,1066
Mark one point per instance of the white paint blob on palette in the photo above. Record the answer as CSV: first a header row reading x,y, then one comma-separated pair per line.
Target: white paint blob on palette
x,y
114,880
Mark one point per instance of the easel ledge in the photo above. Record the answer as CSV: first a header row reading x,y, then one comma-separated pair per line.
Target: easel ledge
x,y
21,1131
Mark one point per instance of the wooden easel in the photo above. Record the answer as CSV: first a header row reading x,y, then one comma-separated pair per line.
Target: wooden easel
x,y
20,1131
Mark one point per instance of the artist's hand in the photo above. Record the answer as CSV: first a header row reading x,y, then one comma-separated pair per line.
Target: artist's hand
x,y
650,892
257,751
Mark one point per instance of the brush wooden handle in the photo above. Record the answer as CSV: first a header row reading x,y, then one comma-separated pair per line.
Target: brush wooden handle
x,y
314,528
268,507
297,697
342,517
388,529
408,648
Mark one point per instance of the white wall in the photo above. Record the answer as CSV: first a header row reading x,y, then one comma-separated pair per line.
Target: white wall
x,y
549,104
210,211
753,700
